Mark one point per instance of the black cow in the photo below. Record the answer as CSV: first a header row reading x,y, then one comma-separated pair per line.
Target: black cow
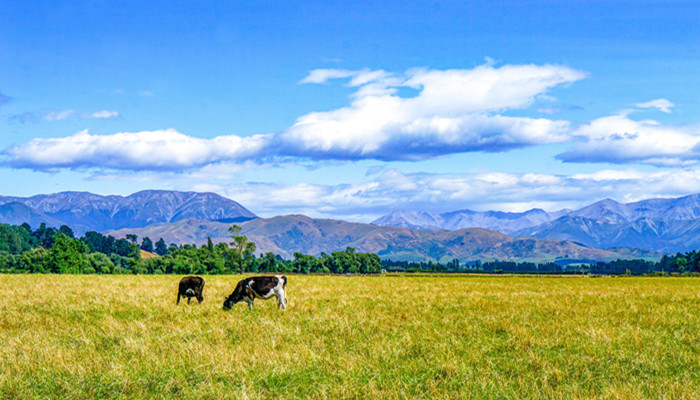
x,y
191,286
259,286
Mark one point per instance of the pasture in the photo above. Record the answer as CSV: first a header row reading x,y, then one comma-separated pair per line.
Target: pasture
x,y
364,337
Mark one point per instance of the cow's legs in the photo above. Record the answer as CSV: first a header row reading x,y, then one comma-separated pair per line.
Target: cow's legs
x,y
178,299
281,301
250,304
188,299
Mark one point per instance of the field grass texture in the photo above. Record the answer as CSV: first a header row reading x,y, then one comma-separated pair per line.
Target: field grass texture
x,y
364,337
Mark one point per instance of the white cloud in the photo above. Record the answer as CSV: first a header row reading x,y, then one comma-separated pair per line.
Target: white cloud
x,y
452,111
392,190
448,112
385,191
148,150
486,88
619,139
662,105
104,114
324,75
444,112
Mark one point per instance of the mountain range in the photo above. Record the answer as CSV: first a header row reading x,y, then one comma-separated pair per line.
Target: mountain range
x,y
84,211
664,225
285,235
656,225
506,222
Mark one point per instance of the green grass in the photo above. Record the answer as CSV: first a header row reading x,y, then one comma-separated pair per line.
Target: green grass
x,y
388,337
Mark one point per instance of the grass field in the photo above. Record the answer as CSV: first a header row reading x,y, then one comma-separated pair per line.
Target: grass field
x,y
374,337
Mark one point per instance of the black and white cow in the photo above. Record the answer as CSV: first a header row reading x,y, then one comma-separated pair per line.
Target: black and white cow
x,y
190,286
263,287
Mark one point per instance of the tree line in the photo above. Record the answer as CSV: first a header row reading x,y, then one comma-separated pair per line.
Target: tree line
x,y
51,250
668,264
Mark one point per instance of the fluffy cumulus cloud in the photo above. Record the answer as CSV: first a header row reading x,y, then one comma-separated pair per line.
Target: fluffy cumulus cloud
x,y
148,150
622,140
415,115
451,111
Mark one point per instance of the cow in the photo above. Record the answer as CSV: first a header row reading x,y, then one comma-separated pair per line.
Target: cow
x,y
190,286
259,286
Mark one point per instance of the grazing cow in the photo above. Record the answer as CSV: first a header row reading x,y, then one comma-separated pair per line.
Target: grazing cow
x,y
259,286
191,286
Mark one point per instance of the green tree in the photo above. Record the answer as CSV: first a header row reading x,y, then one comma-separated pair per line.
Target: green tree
x,y
100,263
268,262
45,235
66,230
123,247
147,244
345,261
681,264
100,243
16,239
302,263
34,260
241,247
161,248
369,263
67,255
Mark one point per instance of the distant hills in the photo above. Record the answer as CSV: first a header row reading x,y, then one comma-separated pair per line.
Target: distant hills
x,y
85,211
16,213
288,234
506,222
664,225
656,225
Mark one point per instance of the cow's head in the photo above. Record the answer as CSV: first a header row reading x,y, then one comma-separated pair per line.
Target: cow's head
x,y
239,294
230,301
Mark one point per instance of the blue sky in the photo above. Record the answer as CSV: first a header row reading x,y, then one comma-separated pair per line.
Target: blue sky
x,y
353,110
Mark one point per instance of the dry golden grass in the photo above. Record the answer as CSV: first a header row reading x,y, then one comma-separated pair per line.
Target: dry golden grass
x,y
388,337
147,254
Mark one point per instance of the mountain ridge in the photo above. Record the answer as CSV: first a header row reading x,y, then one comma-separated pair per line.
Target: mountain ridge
x,y
286,235
659,224
506,222
665,225
662,225
85,210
